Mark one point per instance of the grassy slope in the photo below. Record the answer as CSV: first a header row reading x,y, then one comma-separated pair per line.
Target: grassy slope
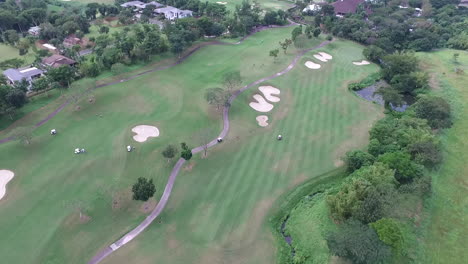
x,y
8,52
219,207
173,100
447,231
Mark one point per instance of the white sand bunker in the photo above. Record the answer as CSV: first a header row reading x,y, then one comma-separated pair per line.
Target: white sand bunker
x,y
320,57
363,62
222,3
261,105
268,92
262,120
326,55
312,65
143,132
5,177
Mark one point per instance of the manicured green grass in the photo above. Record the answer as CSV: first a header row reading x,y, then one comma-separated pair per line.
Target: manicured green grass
x,y
8,52
446,233
35,103
264,4
219,205
224,218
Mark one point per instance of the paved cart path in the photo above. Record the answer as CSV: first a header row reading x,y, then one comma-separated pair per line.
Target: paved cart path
x,y
170,183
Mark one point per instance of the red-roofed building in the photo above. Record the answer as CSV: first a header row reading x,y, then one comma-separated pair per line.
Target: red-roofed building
x,y
344,7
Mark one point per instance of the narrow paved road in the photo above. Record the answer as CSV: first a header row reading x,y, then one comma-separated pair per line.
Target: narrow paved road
x,y
170,183
159,68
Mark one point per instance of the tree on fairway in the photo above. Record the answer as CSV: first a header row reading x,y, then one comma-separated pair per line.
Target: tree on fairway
x,y
274,54
285,45
186,153
169,152
22,134
232,80
143,189
204,137
296,32
217,96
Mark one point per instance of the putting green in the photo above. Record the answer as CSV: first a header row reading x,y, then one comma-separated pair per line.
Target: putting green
x,y
219,203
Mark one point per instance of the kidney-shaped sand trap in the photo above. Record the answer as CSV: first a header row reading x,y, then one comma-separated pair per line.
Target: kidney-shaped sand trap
x,y
262,120
5,177
222,3
320,57
363,62
326,55
268,92
312,65
143,132
261,105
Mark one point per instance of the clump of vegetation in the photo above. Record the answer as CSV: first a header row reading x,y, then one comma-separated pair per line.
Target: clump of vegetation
x,y
366,82
143,189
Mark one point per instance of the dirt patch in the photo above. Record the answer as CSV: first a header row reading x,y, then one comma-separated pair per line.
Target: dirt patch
x,y
148,206
189,166
298,180
121,199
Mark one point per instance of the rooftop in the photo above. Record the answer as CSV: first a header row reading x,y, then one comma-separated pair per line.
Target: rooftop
x,y
57,60
22,73
346,6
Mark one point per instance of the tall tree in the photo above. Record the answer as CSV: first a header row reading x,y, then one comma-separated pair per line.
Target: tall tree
x,y
143,189
169,152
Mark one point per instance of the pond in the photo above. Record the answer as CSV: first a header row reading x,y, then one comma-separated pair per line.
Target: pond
x,y
368,95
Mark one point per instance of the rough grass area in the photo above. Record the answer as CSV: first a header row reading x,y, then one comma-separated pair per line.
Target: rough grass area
x,y
446,234
308,220
9,52
219,206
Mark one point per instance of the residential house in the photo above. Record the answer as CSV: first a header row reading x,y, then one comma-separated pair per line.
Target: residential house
x,y
140,5
463,3
134,4
312,8
172,13
344,7
71,41
35,31
29,74
57,60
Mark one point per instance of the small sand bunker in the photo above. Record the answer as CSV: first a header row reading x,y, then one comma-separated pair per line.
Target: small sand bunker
x,y
143,132
320,57
312,65
363,62
262,120
5,177
268,92
326,55
261,105
222,3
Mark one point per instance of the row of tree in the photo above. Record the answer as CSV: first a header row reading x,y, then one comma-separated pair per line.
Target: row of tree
x,y
403,147
391,28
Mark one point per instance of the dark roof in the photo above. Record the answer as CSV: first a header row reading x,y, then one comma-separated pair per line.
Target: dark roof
x,y
346,6
22,73
56,61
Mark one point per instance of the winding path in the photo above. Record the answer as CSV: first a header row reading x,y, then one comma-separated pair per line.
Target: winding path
x,y
170,183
